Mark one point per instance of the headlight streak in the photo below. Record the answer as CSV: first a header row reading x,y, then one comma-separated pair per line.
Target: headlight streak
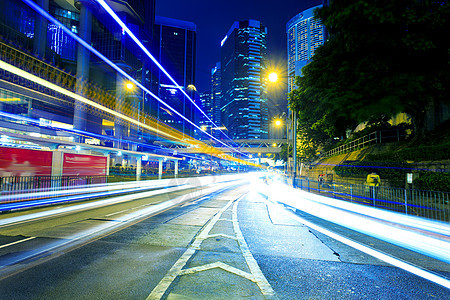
x,y
43,196
387,216
52,86
177,184
115,67
375,253
111,12
63,199
173,135
364,220
121,222
81,132
84,206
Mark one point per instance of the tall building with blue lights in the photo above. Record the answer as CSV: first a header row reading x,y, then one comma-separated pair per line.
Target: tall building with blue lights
x,y
23,32
216,97
244,108
305,34
176,52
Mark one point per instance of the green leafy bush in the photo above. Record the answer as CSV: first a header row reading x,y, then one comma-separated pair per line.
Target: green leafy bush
x,y
419,153
433,181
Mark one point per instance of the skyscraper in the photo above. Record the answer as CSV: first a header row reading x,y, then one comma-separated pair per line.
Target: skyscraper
x,y
243,104
305,35
216,96
177,47
207,106
25,32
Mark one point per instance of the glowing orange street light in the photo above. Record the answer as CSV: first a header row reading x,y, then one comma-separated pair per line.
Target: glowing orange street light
x,y
129,86
277,122
273,77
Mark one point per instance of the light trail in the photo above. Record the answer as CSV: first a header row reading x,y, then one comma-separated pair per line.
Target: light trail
x,y
90,205
77,131
107,189
19,72
161,188
111,12
45,14
173,134
106,228
429,238
431,276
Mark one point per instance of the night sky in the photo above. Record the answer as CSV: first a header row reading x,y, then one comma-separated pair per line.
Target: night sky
x,y
214,18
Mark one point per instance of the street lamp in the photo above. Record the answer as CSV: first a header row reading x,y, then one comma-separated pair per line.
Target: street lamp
x,y
129,86
273,77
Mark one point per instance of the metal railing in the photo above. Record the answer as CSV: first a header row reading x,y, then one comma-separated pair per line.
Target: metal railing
x,y
428,204
377,137
26,185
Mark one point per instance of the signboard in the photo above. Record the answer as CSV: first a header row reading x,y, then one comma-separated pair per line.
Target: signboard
x,y
409,178
25,162
84,165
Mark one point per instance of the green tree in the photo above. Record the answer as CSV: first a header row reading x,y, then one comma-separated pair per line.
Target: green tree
x,y
383,57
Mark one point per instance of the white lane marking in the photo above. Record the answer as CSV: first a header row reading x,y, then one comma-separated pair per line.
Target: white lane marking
x,y
153,209
220,265
223,219
116,213
175,271
375,253
223,235
261,281
255,276
17,242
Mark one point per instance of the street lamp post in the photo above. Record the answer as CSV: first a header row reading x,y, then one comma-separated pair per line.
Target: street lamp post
x,y
294,146
273,77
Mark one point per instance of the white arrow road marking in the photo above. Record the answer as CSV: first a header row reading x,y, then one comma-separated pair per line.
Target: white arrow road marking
x,y
220,265
256,275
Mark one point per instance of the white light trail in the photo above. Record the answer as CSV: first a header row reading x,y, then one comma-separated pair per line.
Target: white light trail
x,y
56,88
422,236
375,253
115,67
111,12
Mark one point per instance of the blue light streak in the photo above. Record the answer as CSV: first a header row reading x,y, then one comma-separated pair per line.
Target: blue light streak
x,y
111,12
45,14
81,132
381,167
431,276
423,236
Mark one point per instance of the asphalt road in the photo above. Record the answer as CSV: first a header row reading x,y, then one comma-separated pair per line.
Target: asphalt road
x,y
230,245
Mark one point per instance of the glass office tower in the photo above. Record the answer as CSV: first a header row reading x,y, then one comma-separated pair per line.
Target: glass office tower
x,y
243,102
177,48
305,35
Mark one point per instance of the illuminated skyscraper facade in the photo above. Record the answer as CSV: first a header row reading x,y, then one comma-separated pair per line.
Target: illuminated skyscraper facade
x,y
177,42
305,35
216,96
243,103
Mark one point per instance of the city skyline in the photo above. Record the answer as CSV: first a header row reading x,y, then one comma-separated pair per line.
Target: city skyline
x,y
214,19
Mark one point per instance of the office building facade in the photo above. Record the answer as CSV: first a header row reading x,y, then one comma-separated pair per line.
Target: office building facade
x,y
176,41
216,97
304,36
207,106
60,59
244,109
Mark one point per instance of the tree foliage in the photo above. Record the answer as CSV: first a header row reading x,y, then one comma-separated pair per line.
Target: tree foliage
x,y
382,57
